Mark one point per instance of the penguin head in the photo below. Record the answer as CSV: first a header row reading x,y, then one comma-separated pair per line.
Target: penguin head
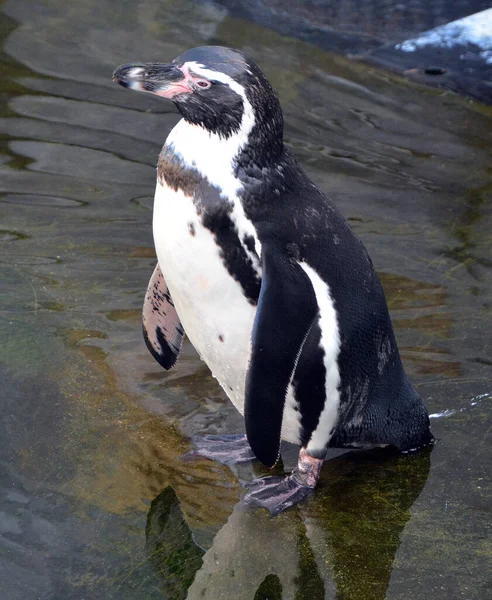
x,y
213,87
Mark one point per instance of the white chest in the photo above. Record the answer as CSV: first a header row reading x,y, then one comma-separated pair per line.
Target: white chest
x,y
215,314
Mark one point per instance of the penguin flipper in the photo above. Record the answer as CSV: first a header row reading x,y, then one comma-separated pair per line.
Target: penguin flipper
x,y
162,329
286,310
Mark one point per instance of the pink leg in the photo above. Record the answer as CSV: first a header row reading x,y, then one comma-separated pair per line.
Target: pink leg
x,y
308,469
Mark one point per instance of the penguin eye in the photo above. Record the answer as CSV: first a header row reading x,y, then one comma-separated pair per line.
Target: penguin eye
x,y
203,83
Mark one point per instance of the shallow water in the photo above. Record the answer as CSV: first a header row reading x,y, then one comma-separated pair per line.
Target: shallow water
x,y
96,499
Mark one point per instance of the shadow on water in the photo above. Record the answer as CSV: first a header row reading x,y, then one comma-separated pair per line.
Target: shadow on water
x,y
93,431
351,529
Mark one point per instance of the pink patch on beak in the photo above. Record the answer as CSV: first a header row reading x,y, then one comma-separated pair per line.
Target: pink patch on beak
x,y
181,87
173,90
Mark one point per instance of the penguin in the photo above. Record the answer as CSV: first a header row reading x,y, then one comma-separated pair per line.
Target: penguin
x,y
272,287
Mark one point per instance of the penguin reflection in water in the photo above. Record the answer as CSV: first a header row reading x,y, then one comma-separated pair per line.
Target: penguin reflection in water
x,y
271,286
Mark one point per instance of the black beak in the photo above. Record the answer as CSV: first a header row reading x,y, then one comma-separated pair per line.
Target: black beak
x,y
125,75
155,78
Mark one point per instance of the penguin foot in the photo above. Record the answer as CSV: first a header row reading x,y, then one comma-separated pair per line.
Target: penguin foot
x,y
275,493
225,449
278,493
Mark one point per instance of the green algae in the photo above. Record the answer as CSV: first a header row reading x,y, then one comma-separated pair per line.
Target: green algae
x,y
364,509
309,582
270,589
170,545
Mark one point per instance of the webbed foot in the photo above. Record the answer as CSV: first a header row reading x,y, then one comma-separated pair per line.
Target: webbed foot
x,y
279,493
275,493
226,449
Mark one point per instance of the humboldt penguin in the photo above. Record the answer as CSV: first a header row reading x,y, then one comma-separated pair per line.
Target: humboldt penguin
x,y
263,273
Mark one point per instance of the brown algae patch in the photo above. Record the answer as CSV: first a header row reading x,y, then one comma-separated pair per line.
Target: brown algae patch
x,y
7,236
417,305
427,364
73,336
142,252
42,200
406,293
125,455
436,325
124,314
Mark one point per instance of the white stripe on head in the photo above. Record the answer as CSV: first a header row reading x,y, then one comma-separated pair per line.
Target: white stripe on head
x,y
200,69
209,153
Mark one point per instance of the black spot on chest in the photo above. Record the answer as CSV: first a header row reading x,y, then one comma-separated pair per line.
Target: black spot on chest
x,y
215,214
232,252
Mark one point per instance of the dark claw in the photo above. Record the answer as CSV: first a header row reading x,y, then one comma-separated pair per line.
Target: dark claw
x,y
226,449
275,493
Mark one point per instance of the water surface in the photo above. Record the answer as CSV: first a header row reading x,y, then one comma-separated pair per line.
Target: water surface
x,y
96,500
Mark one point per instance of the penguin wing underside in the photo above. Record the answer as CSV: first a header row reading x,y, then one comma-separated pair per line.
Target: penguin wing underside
x,y
162,329
286,310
